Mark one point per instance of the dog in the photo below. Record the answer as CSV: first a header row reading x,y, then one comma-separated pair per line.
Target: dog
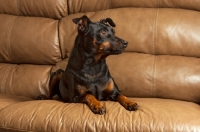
x,y
87,78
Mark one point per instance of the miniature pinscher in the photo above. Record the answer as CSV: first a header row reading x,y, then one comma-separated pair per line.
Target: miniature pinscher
x,y
87,78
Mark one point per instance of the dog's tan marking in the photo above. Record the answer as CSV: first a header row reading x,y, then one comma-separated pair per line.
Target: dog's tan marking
x,y
95,105
98,56
109,86
126,103
104,45
91,77
52,84
95,43
81,90
100,49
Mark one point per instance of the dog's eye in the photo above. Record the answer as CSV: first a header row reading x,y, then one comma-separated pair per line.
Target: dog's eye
x,y
103,33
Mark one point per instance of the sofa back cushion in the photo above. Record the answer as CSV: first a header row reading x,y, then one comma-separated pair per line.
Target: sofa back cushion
x,y
29,40
162,57
80,6
161,60
55,9
186,4
29,45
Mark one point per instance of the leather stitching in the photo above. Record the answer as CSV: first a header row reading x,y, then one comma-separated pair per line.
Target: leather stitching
x,y
9,31
154,78
105,14
16,129
155,50
110,4
155,35
18,7
153,92
3,84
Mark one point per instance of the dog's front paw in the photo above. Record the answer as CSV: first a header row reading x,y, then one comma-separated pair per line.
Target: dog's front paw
x,y
130,105
42,97
126,103
97,108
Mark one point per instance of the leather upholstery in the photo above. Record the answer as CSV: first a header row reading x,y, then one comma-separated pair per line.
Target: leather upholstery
x,y
55,9
56,116
76,6
160,69
33,37
173,77
186,4
24,79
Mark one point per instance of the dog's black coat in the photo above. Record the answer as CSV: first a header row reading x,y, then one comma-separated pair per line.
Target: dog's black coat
x,y
87,75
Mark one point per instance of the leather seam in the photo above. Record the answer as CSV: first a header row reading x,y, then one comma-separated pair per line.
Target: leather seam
x,y
110,4
68,11
20,130
59,42
155,50
8,39
155,32
154,76
9,32
18,7
105,14
154,54
4,79
2,82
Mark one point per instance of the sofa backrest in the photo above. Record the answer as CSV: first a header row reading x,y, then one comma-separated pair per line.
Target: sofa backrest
x,y
161,60
54,9
29,44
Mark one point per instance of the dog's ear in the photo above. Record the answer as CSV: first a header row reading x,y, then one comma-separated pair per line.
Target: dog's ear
x,y
82,22
108,21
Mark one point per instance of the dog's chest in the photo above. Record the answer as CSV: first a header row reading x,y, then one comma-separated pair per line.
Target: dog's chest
x,y
95,80
100,89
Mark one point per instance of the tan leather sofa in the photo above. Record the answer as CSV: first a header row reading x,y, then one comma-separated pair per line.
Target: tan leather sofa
x,y
160,69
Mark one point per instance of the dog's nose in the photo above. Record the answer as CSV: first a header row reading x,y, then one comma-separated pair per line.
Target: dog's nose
x,y
125,43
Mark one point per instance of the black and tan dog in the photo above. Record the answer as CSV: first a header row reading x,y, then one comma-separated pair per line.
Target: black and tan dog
x,y
87,78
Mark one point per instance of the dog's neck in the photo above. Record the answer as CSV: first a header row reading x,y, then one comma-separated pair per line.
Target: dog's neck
x,y
84,62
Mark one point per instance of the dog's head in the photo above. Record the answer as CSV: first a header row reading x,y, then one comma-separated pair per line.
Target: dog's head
x,y
99,37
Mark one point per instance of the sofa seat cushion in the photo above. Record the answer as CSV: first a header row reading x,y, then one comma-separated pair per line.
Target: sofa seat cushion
x,y
6,100
55,116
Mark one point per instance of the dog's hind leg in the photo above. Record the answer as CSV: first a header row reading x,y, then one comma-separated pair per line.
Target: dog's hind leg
x,y
53,85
